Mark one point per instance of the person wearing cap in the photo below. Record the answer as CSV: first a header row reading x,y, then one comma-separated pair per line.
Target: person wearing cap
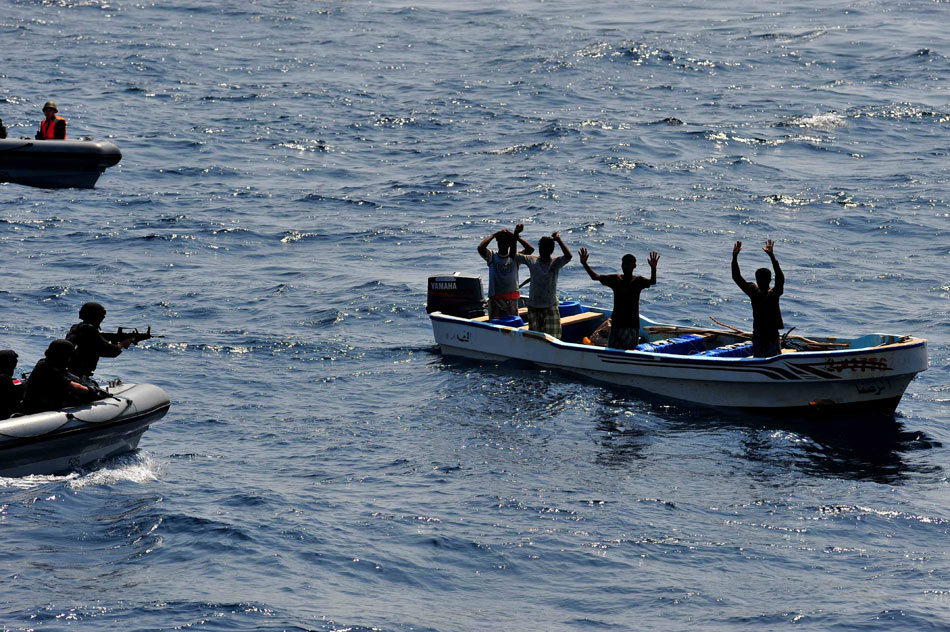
x,y
11,391
50,386
90,345
53,127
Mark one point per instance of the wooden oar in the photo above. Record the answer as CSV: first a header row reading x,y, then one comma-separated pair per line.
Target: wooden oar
x,y
735,329
668,329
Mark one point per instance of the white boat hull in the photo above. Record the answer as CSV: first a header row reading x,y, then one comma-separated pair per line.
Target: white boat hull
x,y
873,378
63,440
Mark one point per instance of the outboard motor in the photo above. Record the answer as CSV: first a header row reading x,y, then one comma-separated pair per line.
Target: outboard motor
x,y
457,295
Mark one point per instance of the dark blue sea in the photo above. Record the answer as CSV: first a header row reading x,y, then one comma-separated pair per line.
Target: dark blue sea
x,y
292,173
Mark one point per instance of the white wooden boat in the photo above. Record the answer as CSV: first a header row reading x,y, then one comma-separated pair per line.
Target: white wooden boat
x,y
62,440
870,372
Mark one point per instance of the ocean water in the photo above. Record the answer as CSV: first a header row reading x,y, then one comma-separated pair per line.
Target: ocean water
x,y
293,171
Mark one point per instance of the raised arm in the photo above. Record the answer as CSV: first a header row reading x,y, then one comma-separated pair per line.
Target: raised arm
x,y
653,259
736,275
526,248
779,286
590,271
556,236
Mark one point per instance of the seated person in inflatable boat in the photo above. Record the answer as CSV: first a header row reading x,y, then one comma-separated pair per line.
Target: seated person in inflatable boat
x,y
51,386
11,390
53,127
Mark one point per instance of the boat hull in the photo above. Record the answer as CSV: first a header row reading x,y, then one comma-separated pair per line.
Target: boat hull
x,y
873,378
60,441
56,164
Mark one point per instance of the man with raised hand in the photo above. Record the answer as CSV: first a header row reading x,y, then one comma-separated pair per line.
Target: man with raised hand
x,y
625,319
503,292
766,315
543,313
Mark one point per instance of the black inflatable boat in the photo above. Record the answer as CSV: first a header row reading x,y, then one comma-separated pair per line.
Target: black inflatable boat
x,y
62,440
56,164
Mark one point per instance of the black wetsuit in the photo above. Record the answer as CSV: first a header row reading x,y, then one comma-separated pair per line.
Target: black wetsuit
x,y
10,396
10,393
47,389
90,346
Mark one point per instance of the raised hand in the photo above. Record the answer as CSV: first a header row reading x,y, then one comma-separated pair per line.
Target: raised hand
x,y
518,229
769,246
555,235
584,255
653,259
737,248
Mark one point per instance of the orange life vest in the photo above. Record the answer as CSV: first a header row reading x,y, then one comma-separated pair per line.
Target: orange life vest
x,y
48,128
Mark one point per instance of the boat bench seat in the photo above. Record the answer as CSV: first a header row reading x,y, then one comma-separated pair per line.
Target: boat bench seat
x,y
523,311
580,318
565,320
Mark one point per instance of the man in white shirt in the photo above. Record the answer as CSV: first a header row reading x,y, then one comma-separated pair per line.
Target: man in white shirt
x,y
543,313
503,292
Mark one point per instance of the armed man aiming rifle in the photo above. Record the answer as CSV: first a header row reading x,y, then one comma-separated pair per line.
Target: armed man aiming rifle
x,y
92,344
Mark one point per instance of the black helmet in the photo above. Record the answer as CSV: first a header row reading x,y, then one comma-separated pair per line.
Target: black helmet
x,y
59,351
92,312
8,358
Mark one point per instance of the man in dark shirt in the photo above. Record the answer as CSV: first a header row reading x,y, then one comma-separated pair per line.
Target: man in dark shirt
x,y
625,319
10,393
90,345
50,386
766,315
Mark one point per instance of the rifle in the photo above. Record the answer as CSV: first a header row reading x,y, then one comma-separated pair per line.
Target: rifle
x,y
131,334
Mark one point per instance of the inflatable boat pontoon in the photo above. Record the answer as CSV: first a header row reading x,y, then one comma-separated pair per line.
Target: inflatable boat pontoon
x,y
62,440
56,164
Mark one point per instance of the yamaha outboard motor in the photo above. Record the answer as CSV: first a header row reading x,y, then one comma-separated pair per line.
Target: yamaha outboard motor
x,y
457,295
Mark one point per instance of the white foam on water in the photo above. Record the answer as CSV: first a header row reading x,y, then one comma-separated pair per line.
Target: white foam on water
x,y
825,120
34,480
136,467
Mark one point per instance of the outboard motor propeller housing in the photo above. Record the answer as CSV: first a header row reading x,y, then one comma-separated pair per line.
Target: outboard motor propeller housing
x,y
457,295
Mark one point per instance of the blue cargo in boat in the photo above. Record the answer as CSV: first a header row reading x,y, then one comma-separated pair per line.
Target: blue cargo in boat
x,y
739,350
686,344
508,321
570,308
